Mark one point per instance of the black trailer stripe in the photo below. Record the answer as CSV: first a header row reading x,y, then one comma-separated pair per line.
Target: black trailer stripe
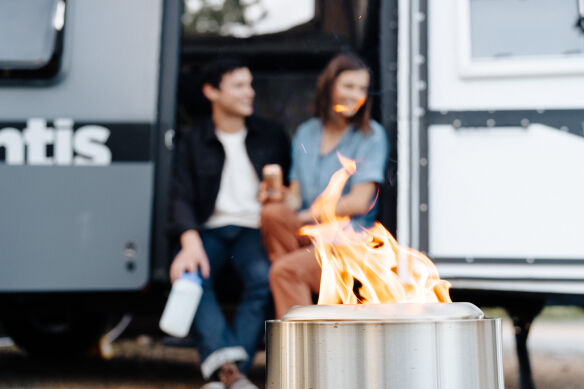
x,y
565,120
128,142
494,280
522,261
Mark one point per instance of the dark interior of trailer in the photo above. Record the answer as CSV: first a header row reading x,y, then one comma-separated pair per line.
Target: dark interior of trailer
x,y
285,59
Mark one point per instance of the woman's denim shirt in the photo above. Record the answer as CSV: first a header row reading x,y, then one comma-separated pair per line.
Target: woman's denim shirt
x,y
313,170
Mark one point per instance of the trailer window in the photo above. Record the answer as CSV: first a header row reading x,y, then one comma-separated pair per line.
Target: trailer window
x,y
30,38
245,18
524,28
339,20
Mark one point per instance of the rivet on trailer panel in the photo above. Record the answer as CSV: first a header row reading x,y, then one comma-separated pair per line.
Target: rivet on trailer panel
x,y
540,110
491,123
420,17
530,260
443,113
130,265
469,259
524,122
564,128
423,207
456,123
423,162
422,85
420,59
130,250
420,111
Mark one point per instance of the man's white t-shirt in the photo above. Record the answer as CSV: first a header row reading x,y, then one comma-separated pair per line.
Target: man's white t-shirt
x,y
237,201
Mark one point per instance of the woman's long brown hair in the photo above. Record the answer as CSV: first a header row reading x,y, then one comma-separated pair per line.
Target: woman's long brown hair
x,y
323,101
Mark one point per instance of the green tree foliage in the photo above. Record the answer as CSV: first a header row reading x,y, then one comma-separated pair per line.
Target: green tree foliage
x,y
219,17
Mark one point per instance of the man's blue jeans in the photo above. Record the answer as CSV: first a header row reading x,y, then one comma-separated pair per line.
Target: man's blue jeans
x,y
242,249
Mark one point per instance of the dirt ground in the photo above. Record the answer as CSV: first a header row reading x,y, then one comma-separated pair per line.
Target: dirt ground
x,y
556,350
556,345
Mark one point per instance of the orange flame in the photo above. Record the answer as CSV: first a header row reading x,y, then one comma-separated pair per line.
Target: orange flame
x,y
343,108
367,266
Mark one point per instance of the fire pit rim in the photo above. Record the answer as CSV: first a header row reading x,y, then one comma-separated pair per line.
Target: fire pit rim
x,y
406,312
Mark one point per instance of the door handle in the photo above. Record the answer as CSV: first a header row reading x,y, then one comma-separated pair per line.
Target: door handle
x,y
169,139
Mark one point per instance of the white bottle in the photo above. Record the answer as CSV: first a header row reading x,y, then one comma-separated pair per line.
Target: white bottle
x,y
181,305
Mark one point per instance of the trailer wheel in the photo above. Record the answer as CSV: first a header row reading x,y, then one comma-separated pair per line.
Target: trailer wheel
x,y
55,333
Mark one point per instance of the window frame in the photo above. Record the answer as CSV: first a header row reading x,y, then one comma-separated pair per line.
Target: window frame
x,y
470,68
48,72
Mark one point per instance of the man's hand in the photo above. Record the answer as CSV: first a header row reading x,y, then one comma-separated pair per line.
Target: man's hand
x,y
263,195
190,258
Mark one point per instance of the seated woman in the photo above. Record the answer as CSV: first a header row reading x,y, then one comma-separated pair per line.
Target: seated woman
x,y
341,124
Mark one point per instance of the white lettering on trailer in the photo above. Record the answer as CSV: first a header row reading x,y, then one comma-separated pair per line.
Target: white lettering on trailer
x,y
89,144
85,146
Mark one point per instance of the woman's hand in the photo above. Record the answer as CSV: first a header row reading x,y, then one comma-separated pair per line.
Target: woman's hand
x,y
306,217
358,201
292,197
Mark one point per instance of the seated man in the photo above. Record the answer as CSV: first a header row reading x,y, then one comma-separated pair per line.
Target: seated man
x,y
215,213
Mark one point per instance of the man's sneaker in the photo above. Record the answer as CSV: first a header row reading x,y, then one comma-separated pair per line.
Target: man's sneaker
x,y
213,385
242,383
232,378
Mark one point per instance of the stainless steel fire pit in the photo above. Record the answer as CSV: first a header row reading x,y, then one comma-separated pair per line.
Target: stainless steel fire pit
x,y
398,346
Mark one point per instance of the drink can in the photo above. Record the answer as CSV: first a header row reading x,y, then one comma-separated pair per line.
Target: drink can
x,y
273,178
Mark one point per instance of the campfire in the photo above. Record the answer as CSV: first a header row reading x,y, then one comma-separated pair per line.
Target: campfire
x,y
367,266
381,322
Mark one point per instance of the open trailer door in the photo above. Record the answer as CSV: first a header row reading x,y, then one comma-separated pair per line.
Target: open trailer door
x,y
491,141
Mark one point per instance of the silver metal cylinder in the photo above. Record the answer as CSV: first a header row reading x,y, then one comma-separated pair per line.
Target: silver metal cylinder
x,y
401,346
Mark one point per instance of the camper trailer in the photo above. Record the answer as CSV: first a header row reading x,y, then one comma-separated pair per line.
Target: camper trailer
x,y
483,102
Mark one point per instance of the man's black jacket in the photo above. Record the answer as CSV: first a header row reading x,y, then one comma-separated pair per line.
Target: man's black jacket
x,y
199,159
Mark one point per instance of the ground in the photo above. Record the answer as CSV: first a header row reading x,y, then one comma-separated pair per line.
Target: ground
x,y
556,344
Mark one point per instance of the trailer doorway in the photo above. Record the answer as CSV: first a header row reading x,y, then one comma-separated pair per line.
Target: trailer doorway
x,y
287,43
